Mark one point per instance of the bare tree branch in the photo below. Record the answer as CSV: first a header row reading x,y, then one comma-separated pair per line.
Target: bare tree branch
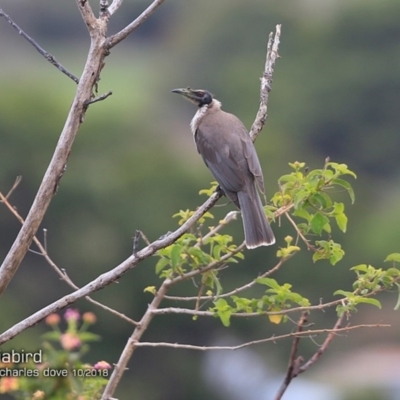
x,y
121,35
56,167
14,186
114,6
99,98
234,291
110,276
131,345
103,6
232,215
51,59
274,338
325,345
88,16
300,234
295,368
294,361
266,82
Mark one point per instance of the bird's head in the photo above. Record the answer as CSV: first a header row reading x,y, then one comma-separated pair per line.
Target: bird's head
x,y
196,96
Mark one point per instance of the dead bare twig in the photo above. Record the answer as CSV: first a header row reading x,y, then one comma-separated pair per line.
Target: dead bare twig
x,y
60,272
295,368
307,333
51,59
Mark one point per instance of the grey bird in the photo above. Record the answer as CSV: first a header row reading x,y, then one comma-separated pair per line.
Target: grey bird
x,y
229,153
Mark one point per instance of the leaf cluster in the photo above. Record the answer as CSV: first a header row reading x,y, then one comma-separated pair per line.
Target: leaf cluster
x,y
310,194
309,200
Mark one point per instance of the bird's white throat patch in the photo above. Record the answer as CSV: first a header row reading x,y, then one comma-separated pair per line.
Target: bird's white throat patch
x,y
200,114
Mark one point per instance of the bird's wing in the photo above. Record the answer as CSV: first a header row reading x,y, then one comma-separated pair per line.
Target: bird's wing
x,y
253,163
228,151
220,160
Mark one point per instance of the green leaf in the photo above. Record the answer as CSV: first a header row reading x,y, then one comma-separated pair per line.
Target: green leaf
x,y
302,213
321,199
211,280
360,267
272,283
343,293
318,222
393,257
161,264
328,250
199,255
217,251
342,169
243,303
297,165
299,196
211,190
288,178
341,221
369,300
338,208
184,215
224,311
337,255
150,289
176,251
346,185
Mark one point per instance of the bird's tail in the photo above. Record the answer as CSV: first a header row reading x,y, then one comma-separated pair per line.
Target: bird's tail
x,y
257,231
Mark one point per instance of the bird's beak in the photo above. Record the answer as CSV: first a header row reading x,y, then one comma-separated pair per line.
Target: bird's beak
x,y
188,93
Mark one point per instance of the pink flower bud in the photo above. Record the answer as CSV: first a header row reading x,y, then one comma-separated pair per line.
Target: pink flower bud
x,y
52,319
89,318
71,314
102,365
69,341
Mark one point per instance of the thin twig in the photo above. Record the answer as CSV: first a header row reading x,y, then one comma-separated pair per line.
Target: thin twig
x,y
136,239
311,332
266,82
121,35
51,59
299,233
297,369
99,98
88,15
294,361
232,215
233,292
60,272
45,239
18,180
114,6
325,345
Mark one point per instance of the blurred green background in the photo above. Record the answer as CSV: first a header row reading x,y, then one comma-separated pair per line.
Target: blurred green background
x,y
335,93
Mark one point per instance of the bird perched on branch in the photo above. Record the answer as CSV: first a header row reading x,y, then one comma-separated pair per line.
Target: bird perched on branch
x,y
229,153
